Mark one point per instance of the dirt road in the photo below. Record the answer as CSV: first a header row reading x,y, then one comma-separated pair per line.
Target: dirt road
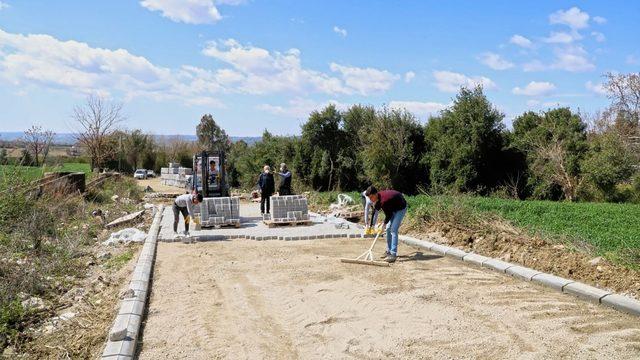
x,y
246,299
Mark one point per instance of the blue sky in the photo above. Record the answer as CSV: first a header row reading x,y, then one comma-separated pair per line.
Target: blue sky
x,y
258,64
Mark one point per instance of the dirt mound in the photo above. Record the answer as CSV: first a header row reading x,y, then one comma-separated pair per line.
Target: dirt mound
x,y
500,240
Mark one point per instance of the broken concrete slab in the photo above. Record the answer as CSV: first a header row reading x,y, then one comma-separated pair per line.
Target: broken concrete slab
x,y
125,219
585,291
622,303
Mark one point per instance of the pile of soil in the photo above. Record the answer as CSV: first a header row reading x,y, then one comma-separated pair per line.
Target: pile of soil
x,y
572,261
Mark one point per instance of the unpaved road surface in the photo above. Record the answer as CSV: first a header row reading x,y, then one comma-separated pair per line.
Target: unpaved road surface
x,y
246,299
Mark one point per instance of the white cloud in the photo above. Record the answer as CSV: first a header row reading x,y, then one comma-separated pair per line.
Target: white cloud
x,y
189,11
409,76
449,81
599,20
3,5
574,18
45,61
562,37
365,80
495,61
535,88
573,59
595,88
339,31
299,108
259,71
521,41
533,103
422,109
533,65
598,36
632,60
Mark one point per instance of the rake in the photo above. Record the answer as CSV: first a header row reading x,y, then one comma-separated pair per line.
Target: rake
x,y
367,257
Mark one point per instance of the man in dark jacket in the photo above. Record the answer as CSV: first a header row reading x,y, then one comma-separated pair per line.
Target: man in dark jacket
x,y
394,206
267,187
284,188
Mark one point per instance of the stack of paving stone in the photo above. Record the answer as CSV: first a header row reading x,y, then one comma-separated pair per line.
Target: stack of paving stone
x,y
219,211
288,208
175,175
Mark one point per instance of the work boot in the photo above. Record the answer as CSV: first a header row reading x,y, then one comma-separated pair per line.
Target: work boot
x,y
386,253
390,258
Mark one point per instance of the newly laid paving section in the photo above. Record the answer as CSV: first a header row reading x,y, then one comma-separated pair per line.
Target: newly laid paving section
x,y
252,227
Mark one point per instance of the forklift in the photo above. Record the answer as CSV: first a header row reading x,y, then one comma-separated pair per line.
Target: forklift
x,y
203,182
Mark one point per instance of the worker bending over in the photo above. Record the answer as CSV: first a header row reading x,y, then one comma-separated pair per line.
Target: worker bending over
x,y
284,188
394,206
184,204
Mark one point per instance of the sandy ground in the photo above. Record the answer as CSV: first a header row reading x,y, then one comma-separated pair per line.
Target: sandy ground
x,y
246,299
157,186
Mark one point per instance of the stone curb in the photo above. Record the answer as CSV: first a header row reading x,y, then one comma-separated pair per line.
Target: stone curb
x,y
123,336
567,286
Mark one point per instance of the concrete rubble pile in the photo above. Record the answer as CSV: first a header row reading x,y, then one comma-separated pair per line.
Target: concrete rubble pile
x,y
175,175
288,208
126,236
219,211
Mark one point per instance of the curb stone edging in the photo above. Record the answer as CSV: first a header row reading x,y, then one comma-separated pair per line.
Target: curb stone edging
x,y
131,310
567,286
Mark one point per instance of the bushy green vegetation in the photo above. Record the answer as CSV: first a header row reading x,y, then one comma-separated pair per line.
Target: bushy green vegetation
x,y
42,245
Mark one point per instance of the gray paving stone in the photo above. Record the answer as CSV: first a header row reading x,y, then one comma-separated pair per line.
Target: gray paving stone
x,y
522,272
585,291
475,259
497,265
456,253
622,303
439,249
551,281
134,307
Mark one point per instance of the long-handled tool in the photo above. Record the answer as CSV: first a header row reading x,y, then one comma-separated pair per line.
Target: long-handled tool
x,y
367,257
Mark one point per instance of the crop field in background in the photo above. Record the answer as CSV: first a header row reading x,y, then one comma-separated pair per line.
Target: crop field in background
x,y
33,173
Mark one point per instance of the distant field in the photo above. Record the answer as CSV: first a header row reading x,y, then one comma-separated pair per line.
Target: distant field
x,y
612,229
33,173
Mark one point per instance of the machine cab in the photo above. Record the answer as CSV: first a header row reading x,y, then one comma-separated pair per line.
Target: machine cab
x,y
209,175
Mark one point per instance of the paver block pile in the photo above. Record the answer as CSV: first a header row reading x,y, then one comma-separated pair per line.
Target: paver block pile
x,y
289,208
220,211
175,175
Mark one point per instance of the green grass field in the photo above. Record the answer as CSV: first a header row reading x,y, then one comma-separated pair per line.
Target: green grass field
x,y
613,230
34,173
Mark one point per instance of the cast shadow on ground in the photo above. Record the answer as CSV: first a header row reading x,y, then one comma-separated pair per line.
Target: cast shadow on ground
x,y
418,256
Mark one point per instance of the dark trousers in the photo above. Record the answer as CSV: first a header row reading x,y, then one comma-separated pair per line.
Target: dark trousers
x,y
284,191
177,210
264,202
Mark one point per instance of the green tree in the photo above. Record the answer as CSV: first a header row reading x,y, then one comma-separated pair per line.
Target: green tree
x,y
555,143
608,163
464,144
211,137
3,156
136,143
355,119
391,150
322,140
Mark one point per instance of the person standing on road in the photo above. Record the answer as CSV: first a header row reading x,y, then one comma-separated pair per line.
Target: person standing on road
x,y
394,206
284,188
369,209
267,186
184,205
